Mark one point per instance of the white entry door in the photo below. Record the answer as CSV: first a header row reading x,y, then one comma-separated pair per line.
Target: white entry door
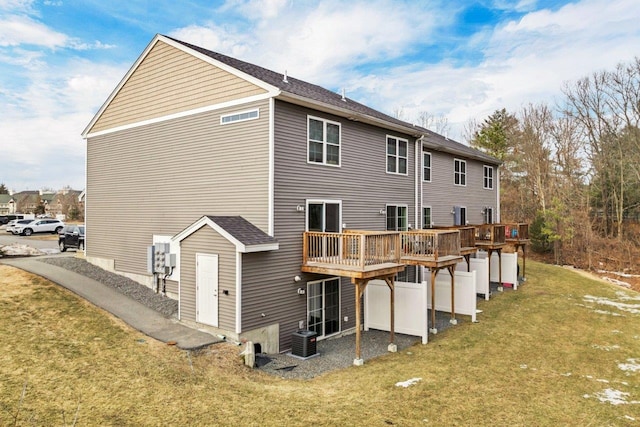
x,y
207,289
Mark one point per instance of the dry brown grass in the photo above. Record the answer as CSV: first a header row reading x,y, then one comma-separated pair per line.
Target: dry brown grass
x,y
531,360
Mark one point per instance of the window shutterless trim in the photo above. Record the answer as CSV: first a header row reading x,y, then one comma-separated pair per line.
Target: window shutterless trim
x,y
324,141
428,153
397,155
459,174
487,178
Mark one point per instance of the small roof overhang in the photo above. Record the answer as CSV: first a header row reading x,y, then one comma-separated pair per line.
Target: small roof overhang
x,y
245,236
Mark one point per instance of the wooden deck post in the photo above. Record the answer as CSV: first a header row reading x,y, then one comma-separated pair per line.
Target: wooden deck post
x,y
389,281
451,269
360,284
433,301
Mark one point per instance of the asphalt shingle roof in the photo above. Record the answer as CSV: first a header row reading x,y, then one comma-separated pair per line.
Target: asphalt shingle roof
x,y
319,94
242,230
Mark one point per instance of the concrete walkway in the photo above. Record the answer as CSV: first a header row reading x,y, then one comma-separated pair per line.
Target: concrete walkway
x,y
136,315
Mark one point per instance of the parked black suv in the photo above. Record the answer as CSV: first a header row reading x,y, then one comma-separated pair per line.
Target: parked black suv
x,y
71,236
4,219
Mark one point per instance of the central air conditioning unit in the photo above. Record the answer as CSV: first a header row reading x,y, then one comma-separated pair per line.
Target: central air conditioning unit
x,y
303,343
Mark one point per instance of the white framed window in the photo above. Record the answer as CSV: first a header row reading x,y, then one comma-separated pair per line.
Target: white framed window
x,y
397,155
240,116
426,166
488,177
397,218
426,217
488,215
323,307
323,141
459,215
324,216
459,172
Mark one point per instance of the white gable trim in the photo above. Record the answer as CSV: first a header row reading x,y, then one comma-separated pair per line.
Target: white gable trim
x,y
180,114
272,91
240,247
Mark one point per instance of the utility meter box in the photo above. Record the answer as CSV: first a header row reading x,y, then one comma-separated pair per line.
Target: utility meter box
x,y
159,259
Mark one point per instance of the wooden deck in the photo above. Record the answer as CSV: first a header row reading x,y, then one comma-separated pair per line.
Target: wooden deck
x,y
368,254
517,233
353,271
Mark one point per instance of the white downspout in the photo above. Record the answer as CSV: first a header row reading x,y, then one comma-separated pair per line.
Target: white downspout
x,y
498,216
418,219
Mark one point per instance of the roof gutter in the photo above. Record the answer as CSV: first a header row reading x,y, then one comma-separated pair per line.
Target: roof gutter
x,y
349,114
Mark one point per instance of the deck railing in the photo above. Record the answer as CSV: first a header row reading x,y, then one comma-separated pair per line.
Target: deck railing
x,y
490,234
517,231
467,234
352,248
430,243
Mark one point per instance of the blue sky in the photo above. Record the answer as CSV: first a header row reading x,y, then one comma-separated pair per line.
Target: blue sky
x,y
59,60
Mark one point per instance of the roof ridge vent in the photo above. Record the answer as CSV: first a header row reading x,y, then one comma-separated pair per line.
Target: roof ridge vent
x,y
284,78
343,98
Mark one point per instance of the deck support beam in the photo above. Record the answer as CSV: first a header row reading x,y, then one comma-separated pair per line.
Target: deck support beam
x,y
361,285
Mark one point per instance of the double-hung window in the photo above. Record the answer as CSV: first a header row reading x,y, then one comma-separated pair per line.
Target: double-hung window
x,y
426,217
397,218
426,166
488,215
323,142
397,155
459,172
488,177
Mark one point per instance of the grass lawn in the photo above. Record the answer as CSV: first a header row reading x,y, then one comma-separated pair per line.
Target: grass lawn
x,y
562,350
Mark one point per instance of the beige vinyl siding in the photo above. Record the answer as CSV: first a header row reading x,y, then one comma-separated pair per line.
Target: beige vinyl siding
x,y
160,178
364,188
442,195
169,81
207,241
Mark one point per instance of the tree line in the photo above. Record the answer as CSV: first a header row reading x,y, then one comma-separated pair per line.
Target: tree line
x,y
573,170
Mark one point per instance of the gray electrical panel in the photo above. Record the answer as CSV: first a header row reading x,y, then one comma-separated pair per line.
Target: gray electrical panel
x,y
159,259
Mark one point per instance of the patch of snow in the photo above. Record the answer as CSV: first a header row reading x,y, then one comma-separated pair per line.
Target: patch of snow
x,y
633,365
602,381
627,417
608,312
16,249
523,366
408,383
568,374
606,347
631,308
609,395
617,282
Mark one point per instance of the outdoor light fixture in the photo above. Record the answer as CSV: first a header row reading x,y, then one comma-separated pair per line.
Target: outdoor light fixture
x,y
300,208
383,211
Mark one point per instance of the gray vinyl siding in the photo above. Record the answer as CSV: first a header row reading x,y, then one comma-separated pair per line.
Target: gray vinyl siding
x,y
207,241
442,195
160,178
361,183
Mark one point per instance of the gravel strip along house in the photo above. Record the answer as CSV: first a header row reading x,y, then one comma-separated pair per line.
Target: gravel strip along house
x,y
227,169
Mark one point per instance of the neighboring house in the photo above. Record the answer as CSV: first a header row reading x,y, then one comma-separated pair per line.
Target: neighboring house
x,y
67,204
230,163
7,204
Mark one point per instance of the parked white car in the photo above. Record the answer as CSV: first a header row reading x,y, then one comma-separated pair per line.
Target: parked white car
x,y
39,226
14,222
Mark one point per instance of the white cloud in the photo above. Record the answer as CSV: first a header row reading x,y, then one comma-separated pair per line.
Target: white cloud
x,y
18,30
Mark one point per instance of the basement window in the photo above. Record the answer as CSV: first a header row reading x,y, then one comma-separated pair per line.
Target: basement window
x,y
241,116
